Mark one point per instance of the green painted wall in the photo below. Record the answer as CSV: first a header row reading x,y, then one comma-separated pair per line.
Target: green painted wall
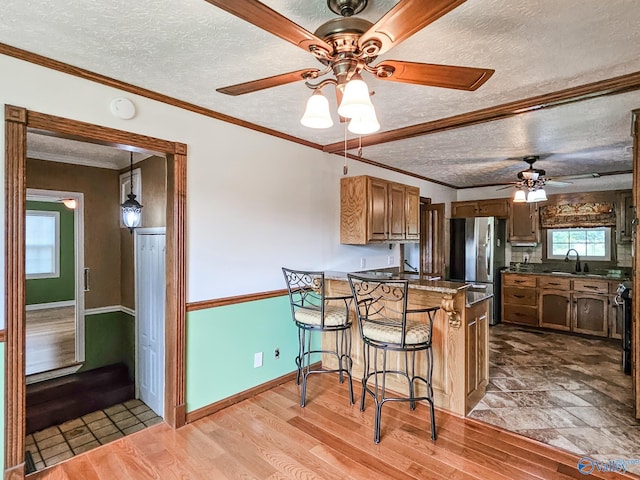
x,y
221,343
2,402
46,290
109,338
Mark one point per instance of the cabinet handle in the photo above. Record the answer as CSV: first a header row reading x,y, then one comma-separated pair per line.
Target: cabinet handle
x,y
593,287
551,283
519,296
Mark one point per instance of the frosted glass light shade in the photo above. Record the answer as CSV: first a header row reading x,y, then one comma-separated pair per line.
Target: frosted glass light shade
x,y
131,212
317,113
70,203
537,196
355,99
520,196
365,124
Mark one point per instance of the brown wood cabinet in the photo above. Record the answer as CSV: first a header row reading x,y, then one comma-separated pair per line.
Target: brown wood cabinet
x,y
375,210
524,223
494,207
520,299
625,213
477,351
575,304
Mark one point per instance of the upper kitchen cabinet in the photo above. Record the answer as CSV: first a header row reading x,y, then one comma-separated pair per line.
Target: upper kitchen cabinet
x,y
375,210
494,207
524,224
625,214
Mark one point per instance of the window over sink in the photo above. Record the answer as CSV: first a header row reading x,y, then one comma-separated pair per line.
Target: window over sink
x,y
591,243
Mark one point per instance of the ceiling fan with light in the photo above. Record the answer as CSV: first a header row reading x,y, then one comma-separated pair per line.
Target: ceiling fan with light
x,y
347,46
531,182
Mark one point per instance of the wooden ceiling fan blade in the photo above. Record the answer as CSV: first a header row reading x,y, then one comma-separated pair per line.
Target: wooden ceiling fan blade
x,y
268,82
405,19
445,76
557,183
267,19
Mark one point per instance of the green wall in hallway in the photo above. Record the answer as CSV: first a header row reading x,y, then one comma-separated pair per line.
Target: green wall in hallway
x,y
221,343
109,339
47,290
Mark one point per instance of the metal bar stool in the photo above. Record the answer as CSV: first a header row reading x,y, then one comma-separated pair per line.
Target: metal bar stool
x,y
381,307
312,311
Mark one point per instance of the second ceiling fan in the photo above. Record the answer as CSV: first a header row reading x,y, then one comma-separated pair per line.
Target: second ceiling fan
x,y
349,45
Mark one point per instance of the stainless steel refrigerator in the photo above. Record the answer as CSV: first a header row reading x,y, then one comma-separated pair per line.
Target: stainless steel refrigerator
x,y
477,255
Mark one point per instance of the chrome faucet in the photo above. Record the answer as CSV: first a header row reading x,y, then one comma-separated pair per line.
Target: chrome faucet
x,y
566,258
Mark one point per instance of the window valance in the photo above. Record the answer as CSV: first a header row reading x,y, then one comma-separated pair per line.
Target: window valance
x,y
578,215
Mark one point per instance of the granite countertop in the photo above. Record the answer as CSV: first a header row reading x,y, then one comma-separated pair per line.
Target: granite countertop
x,y
415,280
478,293
555,273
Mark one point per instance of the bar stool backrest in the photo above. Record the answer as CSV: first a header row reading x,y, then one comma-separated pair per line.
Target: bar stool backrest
x,y
306,291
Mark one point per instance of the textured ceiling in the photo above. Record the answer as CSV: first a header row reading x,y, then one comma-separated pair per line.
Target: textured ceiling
x,y
187,48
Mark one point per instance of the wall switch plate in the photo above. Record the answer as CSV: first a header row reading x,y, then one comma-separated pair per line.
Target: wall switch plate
x,y
390,260
363,262
526,258
257,359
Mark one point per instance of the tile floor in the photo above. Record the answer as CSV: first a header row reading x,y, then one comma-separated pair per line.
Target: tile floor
x,y
563,390
58,443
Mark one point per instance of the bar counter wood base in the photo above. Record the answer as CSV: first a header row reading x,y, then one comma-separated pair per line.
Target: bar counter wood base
x,y
460,344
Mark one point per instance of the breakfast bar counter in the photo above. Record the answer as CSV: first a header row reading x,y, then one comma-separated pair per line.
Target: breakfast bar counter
x,y
460,337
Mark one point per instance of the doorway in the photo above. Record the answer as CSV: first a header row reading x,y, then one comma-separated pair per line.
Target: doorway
x,y
17,123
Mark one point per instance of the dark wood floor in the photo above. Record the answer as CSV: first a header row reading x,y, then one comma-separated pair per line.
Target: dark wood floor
x,y
271,437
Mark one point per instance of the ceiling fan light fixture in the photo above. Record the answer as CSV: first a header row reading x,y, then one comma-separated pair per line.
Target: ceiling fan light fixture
x,y
538,195
317,114
356,101
520,196
365,124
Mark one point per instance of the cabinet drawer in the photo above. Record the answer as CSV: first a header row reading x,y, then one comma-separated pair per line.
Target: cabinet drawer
x,y
520,314
520,281
554,283
592,286
520,296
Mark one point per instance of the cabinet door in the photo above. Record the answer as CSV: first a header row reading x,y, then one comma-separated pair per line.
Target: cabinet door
x,y
397,207
494,208
464,209
624,217
378,195
590,314
412,213
476,352
523,223
555,309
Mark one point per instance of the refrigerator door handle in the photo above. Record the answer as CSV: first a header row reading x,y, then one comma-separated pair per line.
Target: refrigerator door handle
x,y
489,246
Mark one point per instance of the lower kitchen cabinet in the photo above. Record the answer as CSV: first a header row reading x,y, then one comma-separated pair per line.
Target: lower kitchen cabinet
x,y
477,351
555,310
520,299
590,314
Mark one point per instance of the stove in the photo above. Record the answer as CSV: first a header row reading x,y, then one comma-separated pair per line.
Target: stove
x,y
623,298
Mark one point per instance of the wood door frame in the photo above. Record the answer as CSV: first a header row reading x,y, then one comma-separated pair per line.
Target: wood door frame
x,y
635,304
17,121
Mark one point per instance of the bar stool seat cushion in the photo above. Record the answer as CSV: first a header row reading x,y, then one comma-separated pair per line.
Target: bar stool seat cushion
x,y
334,316
417,332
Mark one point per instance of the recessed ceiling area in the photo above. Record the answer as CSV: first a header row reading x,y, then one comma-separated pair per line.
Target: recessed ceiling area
x,y
189,48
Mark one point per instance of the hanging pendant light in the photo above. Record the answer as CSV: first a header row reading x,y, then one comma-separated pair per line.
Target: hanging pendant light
x,y
131,209
317,113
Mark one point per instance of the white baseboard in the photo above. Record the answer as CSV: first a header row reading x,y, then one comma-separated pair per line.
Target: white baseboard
x,y
110,309
45,306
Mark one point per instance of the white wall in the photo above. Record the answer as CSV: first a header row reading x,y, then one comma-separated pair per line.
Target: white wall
x,y
255,203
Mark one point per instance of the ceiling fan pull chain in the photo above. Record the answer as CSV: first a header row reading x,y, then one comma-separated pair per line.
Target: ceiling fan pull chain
x,y
360,145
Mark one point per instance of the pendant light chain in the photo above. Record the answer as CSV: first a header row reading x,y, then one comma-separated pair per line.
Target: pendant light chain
x,y
345,168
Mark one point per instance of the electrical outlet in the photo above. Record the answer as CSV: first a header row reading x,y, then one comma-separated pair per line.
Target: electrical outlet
x,y
390,260
363,262
257,359
276,353
526,258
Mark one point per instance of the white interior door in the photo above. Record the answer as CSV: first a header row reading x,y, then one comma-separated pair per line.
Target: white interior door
x,y
150,301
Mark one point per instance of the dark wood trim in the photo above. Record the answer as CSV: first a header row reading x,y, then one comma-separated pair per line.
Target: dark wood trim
x,y
220,302
143,92
252,392
635,305
14,290
589,91
17,120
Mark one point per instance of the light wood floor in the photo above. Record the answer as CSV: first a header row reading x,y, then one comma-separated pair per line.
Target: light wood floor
x,y
50,339
271,437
